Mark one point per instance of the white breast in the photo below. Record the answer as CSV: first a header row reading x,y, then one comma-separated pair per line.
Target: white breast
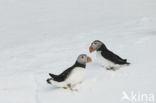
x,y
104,62
76,76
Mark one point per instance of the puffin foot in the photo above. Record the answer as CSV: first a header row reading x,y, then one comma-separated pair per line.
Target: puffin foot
x,y
111,68
64,87
70,87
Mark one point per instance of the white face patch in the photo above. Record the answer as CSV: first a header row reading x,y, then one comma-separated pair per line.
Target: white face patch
x,y
82,59
96,45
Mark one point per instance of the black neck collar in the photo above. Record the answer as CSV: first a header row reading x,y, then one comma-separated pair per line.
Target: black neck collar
x,y
102,48
77,64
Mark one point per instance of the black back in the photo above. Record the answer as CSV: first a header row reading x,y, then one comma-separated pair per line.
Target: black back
x,y
111,56
65,74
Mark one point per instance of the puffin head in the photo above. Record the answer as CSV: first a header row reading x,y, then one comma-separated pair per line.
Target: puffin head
x,y
95,45
83,59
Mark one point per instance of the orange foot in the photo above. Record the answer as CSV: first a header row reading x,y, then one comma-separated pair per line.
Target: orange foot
x,y
111,68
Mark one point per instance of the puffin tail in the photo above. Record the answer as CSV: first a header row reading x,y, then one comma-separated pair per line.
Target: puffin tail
x,y
52,75
49,80
127,63
125,60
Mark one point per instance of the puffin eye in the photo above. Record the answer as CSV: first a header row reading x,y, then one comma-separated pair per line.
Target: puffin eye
x,y
83,57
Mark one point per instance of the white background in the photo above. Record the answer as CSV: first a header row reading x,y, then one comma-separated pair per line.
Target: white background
x,y
42,36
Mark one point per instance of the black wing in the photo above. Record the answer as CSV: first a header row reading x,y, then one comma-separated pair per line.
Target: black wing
x,y
63,75
52,75
113,57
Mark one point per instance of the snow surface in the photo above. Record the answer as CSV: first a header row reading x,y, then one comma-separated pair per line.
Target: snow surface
x,y
42,36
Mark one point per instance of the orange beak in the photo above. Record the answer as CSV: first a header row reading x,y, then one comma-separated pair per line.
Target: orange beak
x,y
90,49
89,59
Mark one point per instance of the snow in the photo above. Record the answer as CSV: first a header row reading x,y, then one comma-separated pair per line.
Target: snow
x,y
38,37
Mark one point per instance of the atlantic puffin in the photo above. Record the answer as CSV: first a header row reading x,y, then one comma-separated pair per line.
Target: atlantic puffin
x,y
71,76
105,57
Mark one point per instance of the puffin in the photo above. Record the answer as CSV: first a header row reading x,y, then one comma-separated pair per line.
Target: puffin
x,y
107,58
71,76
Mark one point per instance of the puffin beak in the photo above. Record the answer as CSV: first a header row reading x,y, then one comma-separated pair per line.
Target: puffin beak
x,y
89,59
90,49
